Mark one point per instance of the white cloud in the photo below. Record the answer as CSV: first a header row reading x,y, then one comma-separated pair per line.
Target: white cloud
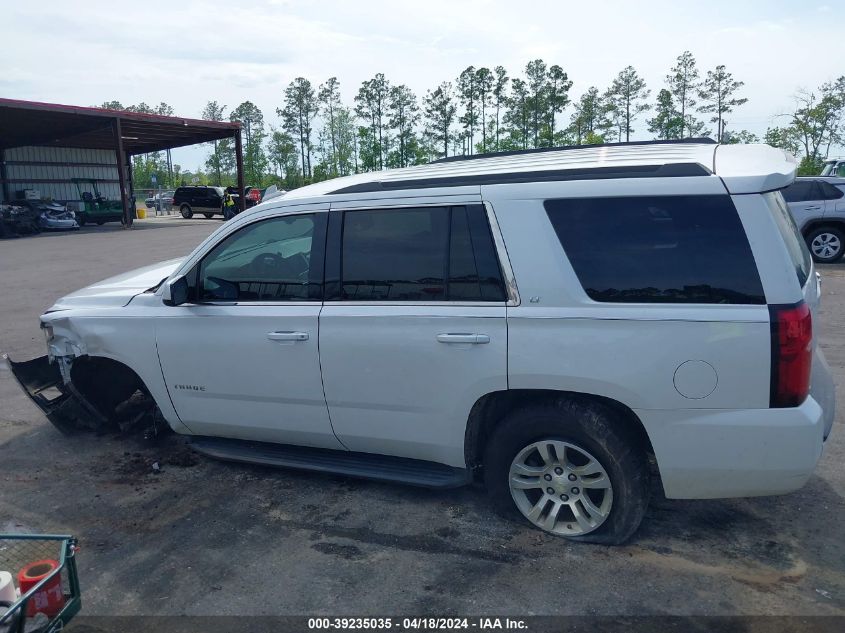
x,y
186,53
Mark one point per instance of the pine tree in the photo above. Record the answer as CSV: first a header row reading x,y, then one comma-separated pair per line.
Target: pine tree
x,y
297,115
252,124
467,87
440,111
627,95
683,84
667,122
404,114
717,92
557,98
500,98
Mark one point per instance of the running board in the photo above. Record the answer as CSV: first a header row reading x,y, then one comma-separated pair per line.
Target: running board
x,y
413,472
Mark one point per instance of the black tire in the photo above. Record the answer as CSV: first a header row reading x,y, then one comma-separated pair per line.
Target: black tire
x,y
81,219
208,215
826,236
589,426
186,212
100,222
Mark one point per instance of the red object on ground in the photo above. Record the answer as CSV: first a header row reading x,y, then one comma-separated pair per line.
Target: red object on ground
x,y
50,599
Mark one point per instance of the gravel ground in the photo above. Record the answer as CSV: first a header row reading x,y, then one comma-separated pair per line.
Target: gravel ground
x,y
203,537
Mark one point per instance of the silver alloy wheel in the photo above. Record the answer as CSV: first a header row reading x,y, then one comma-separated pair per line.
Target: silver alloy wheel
x,y
826,245
560,487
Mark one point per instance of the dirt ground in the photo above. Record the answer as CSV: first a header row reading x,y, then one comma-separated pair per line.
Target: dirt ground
x,y
203,537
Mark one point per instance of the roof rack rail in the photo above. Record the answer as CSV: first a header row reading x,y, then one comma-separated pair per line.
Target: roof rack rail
x,y
540,150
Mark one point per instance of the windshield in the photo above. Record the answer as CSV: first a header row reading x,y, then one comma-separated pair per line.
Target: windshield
x,y
828,168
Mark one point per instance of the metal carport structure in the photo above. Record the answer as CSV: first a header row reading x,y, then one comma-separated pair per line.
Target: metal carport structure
x,y
32,123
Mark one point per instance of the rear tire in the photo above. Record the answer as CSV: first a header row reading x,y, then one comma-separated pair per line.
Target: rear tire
x,y
81,219
826,244
596,492
100,222
186,212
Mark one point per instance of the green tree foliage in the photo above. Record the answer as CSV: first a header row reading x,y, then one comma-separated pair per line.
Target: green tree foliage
x,y
557,98
626,98
221,162
468,94
371,106
485,81
783,137
499,95
329,99
717,95
440,111
403,116
535,73
743,136
300,108
284,158
591,121
683,83
254,135
518,117
818,121
667,122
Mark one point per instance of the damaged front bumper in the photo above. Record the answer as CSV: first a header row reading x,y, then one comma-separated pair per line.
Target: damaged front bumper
x,y
60,401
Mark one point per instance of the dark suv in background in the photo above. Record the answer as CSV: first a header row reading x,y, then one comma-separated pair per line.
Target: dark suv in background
x,y
818,206
198,199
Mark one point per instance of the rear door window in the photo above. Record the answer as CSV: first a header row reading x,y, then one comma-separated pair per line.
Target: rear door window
x,y
829,192
658,249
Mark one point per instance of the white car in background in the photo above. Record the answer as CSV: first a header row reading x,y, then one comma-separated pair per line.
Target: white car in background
x,y
546,321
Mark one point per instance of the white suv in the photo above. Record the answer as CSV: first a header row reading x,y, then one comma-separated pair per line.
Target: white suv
x,y
547,321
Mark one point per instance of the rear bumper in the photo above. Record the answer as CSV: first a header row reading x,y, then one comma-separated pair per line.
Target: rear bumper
x,y
718,453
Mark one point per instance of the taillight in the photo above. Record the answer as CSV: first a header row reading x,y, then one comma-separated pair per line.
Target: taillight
x,y
792,354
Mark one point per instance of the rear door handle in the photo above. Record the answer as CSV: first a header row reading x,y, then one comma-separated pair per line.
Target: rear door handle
x,y
473,339
812,208
287,336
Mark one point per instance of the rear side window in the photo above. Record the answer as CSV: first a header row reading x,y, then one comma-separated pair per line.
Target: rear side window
x,y
829,192
419,254
801,191
795,245
660,249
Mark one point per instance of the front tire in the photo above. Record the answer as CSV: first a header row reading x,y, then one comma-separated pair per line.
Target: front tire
x,y
572,468
826,244
208,215
186,212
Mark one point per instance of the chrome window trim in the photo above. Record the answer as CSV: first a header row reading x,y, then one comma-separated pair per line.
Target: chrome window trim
x,y
502,253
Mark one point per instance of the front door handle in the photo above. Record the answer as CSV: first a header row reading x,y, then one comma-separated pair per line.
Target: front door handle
x,y
473,339
287,336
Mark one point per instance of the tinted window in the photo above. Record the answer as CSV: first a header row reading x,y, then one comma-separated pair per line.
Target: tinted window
x,y
795,245
422,254
829,192
801,191
474,273
667,249
265,261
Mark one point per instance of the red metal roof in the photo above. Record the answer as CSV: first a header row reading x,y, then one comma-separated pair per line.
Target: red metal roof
x,y
53,124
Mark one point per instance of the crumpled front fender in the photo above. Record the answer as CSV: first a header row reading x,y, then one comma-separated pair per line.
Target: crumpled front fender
x,y
63,405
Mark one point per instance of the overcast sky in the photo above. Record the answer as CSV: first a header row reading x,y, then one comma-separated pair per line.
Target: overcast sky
x,y
188,52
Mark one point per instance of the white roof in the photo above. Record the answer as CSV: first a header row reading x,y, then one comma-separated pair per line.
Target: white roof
x,y
743,168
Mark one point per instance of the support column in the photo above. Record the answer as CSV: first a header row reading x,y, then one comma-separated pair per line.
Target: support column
x,y
3,175
121,172
130,179
239,160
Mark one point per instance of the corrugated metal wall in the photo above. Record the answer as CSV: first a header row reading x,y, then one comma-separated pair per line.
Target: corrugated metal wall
x,y
29,167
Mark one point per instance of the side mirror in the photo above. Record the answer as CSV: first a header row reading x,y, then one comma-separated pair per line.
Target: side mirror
x,y
176,292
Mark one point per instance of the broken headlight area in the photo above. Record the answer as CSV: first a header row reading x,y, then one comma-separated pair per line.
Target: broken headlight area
x,y
87,393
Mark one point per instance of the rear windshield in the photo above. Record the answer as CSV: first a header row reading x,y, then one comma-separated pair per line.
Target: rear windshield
x,y
797,248
658,249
